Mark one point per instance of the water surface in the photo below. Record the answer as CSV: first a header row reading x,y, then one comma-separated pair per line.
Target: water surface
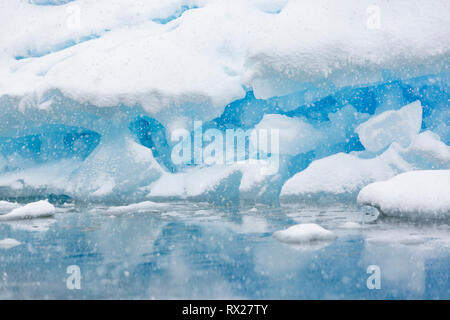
x,y
194,251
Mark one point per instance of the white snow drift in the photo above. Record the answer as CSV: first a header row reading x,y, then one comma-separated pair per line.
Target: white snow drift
x,y
32,210
424,193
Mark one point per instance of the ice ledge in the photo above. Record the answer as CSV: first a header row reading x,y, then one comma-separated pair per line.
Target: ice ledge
x,y
414,194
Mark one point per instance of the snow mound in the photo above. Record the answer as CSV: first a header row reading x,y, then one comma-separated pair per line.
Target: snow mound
x,y
346,174
8,243
304,233
32,210
415,194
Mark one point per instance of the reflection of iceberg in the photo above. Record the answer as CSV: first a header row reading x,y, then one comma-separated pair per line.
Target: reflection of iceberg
x,y
305,233
6,206
423,193
397,268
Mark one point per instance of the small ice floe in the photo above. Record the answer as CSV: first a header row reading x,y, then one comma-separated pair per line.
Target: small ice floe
x,y
145,206
305,234
416,194
32,210
8,243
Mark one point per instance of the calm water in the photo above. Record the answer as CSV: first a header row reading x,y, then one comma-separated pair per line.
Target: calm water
x,y
196,251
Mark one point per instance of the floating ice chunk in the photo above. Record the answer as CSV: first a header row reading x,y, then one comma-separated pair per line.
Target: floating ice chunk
x,y
32,210
415,194
8,243
400,126
145,206
304,233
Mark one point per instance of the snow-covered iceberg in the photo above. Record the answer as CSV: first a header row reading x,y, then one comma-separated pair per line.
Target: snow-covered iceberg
x,y
304,233
416,194
93,94
145,206
39,209
343,175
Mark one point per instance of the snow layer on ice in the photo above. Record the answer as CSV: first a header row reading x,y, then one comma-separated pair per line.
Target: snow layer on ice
x,y
145,206
90,91
32,210
304,233
204,58
422,193
219,181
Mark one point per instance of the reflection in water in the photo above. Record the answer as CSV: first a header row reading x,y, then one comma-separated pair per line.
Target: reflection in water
x,y
194,251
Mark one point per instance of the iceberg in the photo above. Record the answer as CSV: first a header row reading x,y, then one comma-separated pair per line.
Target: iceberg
x,y
342,176
415,194
145,206
217,184
90,103
32,210
304,233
